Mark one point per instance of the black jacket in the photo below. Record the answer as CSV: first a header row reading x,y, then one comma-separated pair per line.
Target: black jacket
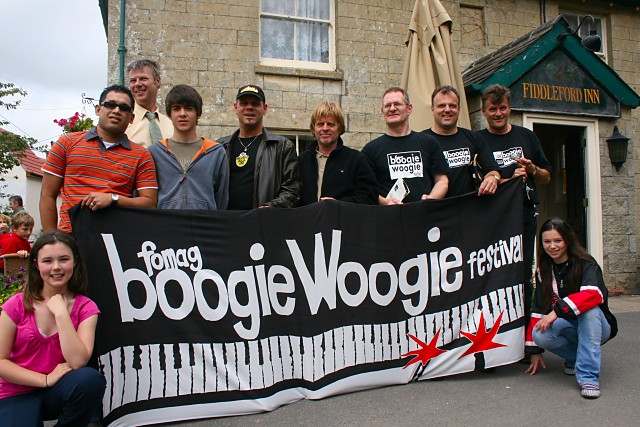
x,y
275,179
347,176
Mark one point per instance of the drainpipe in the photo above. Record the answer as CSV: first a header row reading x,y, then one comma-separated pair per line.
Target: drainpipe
x,y
543,11
121,48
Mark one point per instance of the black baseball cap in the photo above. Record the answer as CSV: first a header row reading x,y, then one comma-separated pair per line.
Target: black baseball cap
x,y
251,90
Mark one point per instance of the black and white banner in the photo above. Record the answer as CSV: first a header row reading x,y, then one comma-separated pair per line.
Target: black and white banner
x,y
208,314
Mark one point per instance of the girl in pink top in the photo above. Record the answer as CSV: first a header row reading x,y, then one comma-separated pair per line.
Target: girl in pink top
x,y
46,338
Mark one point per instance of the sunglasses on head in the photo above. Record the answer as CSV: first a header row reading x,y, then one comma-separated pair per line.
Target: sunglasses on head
x,y
126,108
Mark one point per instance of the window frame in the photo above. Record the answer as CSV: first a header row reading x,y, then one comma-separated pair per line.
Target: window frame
x,y
294,63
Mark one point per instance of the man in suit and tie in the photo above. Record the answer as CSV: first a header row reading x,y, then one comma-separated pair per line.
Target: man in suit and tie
x,y
149,125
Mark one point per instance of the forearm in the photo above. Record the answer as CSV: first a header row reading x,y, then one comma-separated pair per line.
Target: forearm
x,y
74,350
16,374
542,176
146,201
440,189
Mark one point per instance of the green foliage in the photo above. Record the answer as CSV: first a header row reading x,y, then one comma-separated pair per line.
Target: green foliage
x,y
12,146
9,89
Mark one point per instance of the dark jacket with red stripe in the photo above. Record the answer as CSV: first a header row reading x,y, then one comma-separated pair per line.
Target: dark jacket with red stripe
x,y
591,293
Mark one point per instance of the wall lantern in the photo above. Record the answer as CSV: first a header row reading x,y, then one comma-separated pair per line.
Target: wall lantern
x,y
593,42
617,148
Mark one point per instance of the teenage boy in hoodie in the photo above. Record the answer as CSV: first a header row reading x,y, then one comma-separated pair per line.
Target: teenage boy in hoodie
x,y
192,172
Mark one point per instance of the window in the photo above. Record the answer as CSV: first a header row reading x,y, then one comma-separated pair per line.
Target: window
x,y
598,25
301,140
297,33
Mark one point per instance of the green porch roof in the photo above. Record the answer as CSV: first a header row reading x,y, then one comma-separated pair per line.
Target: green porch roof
x,y
509,63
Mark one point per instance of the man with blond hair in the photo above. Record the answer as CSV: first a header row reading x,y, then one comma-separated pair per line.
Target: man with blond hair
x,y
329,170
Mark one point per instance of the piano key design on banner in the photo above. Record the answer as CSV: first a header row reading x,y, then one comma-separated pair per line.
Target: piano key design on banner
x,y
144,372
200,320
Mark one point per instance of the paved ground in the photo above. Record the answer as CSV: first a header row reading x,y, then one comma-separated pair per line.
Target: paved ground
x,y
506,397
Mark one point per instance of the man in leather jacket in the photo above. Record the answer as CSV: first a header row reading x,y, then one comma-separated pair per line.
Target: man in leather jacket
x,y
264,167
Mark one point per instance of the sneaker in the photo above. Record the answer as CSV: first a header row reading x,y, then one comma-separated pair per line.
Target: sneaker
x,y
590,391
569,370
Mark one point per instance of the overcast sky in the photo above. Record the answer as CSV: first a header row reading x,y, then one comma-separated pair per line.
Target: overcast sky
x,y
55,50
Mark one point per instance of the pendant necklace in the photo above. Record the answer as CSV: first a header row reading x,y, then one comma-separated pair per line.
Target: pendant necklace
x,y
243,157
560,273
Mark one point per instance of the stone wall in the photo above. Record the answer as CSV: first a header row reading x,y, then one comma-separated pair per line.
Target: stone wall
x,y
213,45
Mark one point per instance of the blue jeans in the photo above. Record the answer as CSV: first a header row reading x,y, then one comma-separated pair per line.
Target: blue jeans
x,y
71,401
578,343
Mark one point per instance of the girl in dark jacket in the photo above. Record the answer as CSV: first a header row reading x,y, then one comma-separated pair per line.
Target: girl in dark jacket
x,y
570,316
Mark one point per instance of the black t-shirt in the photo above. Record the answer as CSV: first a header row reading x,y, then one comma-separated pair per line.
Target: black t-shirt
x,y
459,149
415,157
241,177
518,142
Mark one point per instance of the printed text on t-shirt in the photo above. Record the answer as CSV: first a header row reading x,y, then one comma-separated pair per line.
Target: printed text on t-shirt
x,y
459,157
405,165
505,158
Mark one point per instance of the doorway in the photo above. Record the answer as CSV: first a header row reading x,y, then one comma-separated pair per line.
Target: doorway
x,y
565,195
571,146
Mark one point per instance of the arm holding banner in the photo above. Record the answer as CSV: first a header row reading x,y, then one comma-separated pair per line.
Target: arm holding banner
x,y
540,175
440,187
489,184
147,198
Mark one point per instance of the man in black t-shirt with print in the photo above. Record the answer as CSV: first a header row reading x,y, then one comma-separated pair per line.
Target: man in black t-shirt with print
x,y
404,156
460,146
519,154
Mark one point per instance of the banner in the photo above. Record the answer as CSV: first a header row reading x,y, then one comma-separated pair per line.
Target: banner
x,y
208,314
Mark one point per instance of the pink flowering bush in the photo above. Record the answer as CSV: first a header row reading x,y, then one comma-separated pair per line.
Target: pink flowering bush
x,y
76,123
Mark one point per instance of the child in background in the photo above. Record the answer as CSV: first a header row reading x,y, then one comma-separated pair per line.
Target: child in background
x,y
18,240
4,228
47,334
4,224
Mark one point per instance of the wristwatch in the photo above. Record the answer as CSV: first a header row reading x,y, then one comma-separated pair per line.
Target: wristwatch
x,y
114,199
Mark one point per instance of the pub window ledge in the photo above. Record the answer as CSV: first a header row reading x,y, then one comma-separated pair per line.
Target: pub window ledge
x,y
299,72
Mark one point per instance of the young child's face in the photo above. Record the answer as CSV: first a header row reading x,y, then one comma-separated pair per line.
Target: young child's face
x,y
23,231
4,227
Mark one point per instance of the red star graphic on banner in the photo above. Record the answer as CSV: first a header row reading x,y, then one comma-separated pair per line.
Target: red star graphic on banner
x,y
425,352
483,340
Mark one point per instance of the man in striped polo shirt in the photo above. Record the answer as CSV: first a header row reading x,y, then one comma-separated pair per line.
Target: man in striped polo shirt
x,y
100,167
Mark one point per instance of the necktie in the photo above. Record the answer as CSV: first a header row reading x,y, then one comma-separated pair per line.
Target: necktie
x,y
154,129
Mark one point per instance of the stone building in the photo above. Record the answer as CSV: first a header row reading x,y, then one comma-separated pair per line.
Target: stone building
x,y
349,51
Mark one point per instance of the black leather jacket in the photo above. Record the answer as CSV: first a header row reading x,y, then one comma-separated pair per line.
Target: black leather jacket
x,y
275,179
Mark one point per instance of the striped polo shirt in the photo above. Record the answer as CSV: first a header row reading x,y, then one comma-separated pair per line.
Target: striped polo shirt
x,y
85,165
